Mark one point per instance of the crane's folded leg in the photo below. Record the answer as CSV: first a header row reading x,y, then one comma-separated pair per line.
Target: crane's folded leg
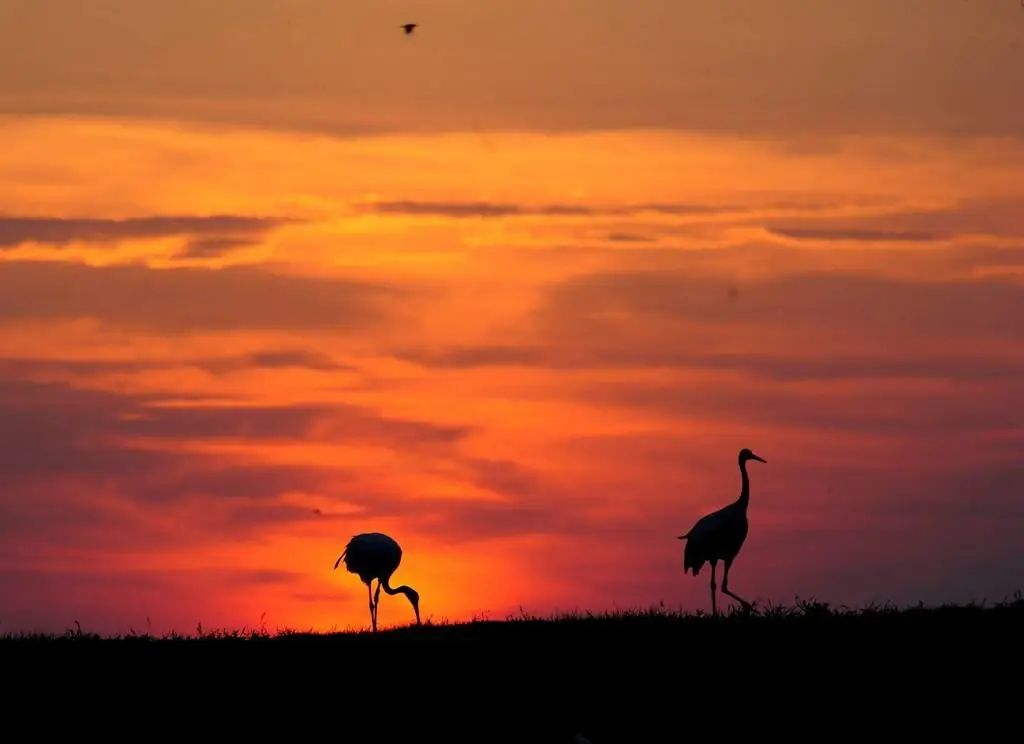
x,y
714,606
725,588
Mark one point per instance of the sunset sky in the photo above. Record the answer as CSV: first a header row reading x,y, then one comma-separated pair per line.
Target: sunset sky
x,y
515,290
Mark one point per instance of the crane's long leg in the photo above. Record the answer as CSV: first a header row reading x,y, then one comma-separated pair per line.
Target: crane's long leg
x,y
376,603
725,588
714,606
373,612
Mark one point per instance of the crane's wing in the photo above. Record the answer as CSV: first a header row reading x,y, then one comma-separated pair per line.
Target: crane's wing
x,y
703,527
699,540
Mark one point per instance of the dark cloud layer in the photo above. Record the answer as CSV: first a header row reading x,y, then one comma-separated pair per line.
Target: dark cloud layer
x,y
484,209
624,237
56,429
327,423
794,367
269,359
990,216
852,233
183,300
874,327
213,247
837,303
59,231
273,359
875,411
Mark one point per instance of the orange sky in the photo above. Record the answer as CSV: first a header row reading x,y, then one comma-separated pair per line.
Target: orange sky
x,y
262,290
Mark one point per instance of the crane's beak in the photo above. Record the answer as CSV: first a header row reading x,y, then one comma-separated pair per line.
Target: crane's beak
x,y
759,459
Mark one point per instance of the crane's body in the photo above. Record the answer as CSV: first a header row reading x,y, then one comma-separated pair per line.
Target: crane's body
x,y
373,555
370,556
716,537
720,535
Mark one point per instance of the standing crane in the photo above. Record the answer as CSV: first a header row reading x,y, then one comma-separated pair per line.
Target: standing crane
x,y
720,535
372,556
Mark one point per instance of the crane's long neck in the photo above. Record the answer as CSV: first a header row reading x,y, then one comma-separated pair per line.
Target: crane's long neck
x,y
408,591
386,586
745,490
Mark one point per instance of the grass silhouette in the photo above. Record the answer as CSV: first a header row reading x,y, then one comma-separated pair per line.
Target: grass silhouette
x,y
804,671
805,619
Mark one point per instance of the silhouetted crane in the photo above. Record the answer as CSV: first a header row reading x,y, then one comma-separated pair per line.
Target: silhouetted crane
x,y
409,27
376,556
720,535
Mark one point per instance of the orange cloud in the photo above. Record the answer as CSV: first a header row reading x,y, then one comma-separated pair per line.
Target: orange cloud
x,y
526,361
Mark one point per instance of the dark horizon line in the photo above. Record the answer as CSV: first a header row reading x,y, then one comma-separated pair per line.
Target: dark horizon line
x,y
801,610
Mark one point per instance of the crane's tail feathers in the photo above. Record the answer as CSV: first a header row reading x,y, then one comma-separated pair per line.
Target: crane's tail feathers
x,y
340,557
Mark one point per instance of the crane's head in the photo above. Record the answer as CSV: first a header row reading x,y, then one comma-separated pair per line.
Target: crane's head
x,y
746,454
414,600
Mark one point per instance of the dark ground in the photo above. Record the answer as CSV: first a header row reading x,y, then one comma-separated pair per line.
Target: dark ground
x,y
806,673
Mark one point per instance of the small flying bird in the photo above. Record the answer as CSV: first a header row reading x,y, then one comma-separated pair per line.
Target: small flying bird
x,y
376,556
409,27
720,535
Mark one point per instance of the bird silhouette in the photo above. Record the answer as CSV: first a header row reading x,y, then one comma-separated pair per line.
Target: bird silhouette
x,y
409,27
372,556
720,535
